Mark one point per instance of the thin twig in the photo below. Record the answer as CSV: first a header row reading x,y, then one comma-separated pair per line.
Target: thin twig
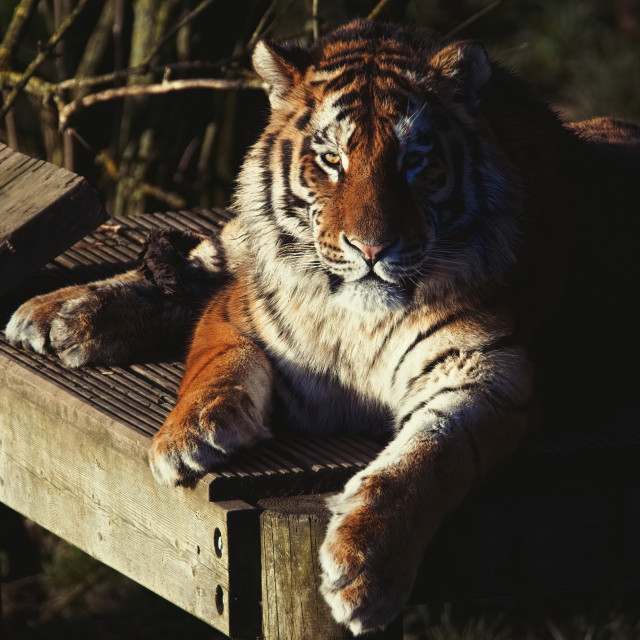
x,y
97,42
377,9
10,124
118,27
148,89
472,19
314,19
19,19
42,56
257,34
21,15
34,86
186,20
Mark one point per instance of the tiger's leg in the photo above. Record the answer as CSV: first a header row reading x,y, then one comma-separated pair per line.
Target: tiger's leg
x,y
387,514
85,324
118,319
222,404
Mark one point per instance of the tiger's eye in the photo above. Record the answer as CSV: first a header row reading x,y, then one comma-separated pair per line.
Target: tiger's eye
x,y
332,159
412,160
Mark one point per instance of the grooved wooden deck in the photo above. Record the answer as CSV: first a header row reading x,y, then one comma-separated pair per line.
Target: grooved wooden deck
x,y
140,396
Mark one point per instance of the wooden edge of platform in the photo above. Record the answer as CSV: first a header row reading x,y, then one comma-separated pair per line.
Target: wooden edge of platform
x,y
85,477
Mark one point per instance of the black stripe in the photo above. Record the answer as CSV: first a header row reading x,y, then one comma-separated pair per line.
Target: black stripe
x,y
355,57
349,99
292,202
335,282
303,120
306,148
253,333
274,313
463,387
497,344
429,367
224,306
424,335
347,77
390,331
285,239
398,79
266,174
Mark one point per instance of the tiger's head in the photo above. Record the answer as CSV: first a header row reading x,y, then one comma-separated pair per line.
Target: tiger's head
x,y
377,168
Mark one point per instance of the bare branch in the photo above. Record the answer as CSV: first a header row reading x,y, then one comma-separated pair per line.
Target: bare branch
x,y
377,9
10,124
149,89
314,19
97,42
35,86
472,19
21,15
257,34
186,20
42,56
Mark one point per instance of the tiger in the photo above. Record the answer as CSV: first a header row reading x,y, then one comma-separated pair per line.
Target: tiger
x,y
420,250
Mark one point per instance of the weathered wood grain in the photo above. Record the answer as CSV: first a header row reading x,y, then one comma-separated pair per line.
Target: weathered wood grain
x,y
291,532
43,210
85,477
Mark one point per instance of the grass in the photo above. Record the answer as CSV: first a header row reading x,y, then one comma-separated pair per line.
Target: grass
x,y
73,596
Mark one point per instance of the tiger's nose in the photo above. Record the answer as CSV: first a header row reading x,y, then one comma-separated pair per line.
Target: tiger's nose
x,y
370,252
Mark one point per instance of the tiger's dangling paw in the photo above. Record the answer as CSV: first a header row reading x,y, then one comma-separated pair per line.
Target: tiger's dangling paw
x,y
368,560
107,322
30,326
118,320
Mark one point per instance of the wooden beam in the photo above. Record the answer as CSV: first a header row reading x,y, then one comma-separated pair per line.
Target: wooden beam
x,y
44,210
291,532
84,476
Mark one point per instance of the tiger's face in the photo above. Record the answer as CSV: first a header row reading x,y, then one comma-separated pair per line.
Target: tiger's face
x,y
370,220
374,167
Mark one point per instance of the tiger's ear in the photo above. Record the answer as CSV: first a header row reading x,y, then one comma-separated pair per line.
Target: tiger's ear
x,y
466,63
281,67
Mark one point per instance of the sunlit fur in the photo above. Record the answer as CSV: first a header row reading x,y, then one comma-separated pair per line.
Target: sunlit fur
x,y
404,228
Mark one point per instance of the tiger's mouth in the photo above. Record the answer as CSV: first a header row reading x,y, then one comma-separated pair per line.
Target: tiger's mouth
x,y
370,293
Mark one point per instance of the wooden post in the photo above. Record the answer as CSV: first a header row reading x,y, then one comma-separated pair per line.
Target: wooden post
x,y
291,532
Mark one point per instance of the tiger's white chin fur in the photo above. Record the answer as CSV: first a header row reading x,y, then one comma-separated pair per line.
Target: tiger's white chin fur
x,y
371,296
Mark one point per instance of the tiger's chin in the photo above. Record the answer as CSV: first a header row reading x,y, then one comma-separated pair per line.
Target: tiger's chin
x,y
371,294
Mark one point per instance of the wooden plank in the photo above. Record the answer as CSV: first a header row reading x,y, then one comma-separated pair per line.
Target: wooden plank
x,y
44,209
291,531
85,477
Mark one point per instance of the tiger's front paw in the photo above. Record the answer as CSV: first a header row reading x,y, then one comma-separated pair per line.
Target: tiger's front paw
x,y
198,434
108,322
30,326
369,557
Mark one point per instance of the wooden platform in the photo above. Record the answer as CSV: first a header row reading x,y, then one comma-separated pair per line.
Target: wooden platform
x,y
238,549
43,208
